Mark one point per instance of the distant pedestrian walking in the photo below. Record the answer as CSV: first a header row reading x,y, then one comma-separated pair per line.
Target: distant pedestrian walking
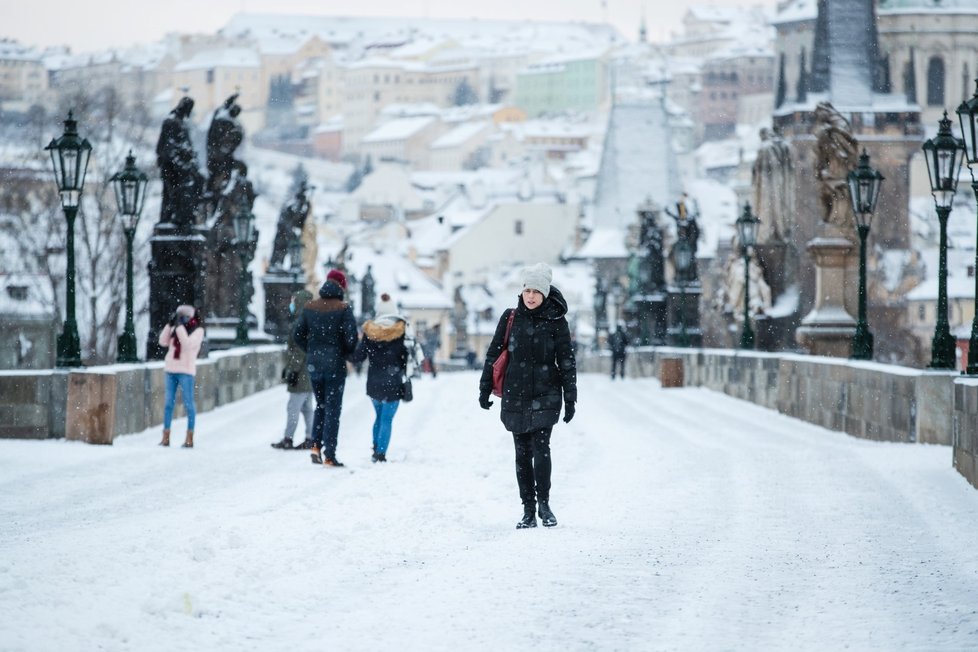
x,y
383,346
327,331
182,337
618,341
541,373
296,377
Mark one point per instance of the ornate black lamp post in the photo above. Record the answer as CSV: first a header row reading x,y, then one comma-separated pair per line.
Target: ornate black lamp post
x,y
130,195
69,158
683,258
295,257
968,116
944,154
244,237
747,234
864,191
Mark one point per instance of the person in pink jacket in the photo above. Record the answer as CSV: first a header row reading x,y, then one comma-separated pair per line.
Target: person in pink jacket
x,y
182,337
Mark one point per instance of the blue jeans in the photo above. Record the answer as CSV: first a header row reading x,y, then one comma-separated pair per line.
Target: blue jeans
x,y
382,424
329,403
186,384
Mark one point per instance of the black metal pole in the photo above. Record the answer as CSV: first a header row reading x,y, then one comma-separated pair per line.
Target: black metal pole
x,y
747,336
942,346
127,341
972,368
862,339
683,334
241,338
69,344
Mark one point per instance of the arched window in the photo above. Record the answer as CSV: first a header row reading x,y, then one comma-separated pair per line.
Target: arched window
x,y
935,82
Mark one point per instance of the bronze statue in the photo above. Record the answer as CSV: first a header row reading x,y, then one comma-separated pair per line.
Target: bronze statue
x,y
177,160
687,228
291,221
836,154
223,138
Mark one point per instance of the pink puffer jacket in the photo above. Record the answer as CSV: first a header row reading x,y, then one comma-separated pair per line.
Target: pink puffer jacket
x,y
189,348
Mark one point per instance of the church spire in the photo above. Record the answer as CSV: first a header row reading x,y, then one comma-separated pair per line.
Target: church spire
x,y
845,61
642,32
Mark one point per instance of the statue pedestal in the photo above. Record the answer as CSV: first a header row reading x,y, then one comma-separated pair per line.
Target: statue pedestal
x,y
684,315
176,272
828,329
279,286
647,319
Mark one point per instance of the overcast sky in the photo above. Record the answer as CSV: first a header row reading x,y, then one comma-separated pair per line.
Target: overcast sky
x,y
87,25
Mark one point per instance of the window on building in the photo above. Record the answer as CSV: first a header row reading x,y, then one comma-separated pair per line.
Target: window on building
x,y
210,76
921,312
518,227
935,82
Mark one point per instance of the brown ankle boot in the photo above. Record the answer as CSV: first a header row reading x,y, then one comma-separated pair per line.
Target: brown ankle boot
x,y
166,437
190,440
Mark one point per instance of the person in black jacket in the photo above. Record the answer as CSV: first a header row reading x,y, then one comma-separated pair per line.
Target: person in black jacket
x,y
383,346
541,374
327,331
618,341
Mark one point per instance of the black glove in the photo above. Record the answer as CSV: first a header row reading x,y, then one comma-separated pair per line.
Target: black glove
x,y
291,378
568,411
173,320
484,401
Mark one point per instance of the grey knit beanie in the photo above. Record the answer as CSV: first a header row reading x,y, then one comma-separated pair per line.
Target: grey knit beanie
x,y
537,277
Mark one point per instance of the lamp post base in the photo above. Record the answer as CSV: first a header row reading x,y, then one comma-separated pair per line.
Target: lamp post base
x,y
862,343
943,351
69,346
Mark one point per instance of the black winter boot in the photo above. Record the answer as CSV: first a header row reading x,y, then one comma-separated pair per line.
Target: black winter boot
x,y
285,444
529,518
546,516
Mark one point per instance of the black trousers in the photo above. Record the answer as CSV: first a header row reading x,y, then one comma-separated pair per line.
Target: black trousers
x,y
617,363
533,465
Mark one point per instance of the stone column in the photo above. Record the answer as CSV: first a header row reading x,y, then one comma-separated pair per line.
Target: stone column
x,y
828,329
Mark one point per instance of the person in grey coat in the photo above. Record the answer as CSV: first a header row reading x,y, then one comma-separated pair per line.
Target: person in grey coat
x,y
296,378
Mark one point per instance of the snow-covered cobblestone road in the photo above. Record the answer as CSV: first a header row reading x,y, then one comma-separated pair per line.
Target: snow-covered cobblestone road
x,y
688,521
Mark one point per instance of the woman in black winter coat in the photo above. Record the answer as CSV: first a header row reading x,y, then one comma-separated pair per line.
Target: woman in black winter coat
x,y
383,345
541,376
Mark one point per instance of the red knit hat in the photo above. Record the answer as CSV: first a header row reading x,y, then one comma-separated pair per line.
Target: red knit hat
x,y
338,277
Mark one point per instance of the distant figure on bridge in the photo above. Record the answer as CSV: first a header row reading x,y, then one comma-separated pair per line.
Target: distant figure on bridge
x,y
541,373
296,377
618,341
327,331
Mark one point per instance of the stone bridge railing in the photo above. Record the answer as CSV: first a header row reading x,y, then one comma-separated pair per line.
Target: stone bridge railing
x,y
864,399
96,404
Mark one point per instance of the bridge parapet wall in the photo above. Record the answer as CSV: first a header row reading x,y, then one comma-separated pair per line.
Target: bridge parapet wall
x,y
97,404
863,399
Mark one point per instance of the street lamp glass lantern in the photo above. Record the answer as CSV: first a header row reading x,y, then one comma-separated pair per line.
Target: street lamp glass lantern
x,y
968,116
295,252
69,158
864,190
130,193
684,255
747,227
244,224
944,155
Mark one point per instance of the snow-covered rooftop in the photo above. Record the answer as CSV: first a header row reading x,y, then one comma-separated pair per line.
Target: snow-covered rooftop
x,y
459,135
398,129
221,58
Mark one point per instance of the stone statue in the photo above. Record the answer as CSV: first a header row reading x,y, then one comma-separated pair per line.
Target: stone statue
x,y
177,160
773,181
651,268
733,287
223,138
367,294
600,303
460,316
836,154
291,221
687,228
